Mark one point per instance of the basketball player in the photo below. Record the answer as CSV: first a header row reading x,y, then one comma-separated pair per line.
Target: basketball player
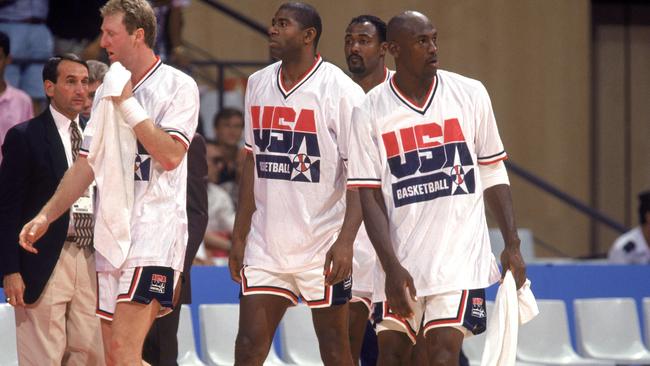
x,y
365,49
290,238
161,105
424,152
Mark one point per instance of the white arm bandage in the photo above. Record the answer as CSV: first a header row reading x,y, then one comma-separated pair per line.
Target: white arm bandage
x,y
132,112
493,174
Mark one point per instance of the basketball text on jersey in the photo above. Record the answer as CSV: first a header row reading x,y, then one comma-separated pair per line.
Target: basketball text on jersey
x,y
288,143
428,161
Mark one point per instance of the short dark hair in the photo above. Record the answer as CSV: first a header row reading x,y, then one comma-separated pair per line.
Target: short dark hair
x,y
5,43
226,113
644,206
379,24
51,68
307,16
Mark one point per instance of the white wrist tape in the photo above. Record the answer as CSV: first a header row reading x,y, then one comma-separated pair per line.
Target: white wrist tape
x,y
493,174
132,112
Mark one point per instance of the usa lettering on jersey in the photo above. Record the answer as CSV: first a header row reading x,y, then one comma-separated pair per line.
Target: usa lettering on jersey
x,y
288,143
428,161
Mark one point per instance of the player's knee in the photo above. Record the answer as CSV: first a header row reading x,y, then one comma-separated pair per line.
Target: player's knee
x,y
439,355
444,359
249,350
394,354
121,351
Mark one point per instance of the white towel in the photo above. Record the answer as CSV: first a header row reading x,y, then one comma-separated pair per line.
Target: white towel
x,y
511,309
111,155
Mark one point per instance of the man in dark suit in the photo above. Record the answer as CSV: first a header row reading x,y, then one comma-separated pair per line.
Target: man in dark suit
x,y
53,292
161,346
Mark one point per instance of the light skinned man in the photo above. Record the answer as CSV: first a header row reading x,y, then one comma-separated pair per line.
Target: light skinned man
x,y
53,292
160,104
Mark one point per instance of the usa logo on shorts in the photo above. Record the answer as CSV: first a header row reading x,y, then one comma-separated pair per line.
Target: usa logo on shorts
x,y
478,310
428,161
288,144
158,283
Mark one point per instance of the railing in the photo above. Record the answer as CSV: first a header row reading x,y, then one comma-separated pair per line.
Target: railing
x,y
243,19
565,197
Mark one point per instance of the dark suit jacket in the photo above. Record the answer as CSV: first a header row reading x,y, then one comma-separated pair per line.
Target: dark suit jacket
x,y
33,164
197,208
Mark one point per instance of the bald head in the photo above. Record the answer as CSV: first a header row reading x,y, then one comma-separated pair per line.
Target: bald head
x,y
413,42
406,23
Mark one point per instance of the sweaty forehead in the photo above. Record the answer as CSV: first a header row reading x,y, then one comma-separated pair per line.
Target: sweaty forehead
x,y
365,28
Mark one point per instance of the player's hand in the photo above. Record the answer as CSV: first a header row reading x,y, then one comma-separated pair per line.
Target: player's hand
x,y
400,291
32,231
338,262
512,260
127,93
236,260
14,287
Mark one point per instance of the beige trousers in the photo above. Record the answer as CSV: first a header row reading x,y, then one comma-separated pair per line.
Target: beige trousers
x,y
61,327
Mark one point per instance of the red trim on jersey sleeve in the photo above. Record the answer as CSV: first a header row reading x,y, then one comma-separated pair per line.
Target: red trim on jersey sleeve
x,y
493,161
179,139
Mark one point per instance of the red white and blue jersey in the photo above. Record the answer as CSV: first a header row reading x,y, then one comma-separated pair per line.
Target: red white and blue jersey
x,y
364,259
425,160
299,137
159,218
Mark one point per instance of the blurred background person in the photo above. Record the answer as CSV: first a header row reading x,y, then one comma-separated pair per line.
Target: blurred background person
x,y
75,26
229,128
632,247
96,72
24,22
221,212
15,104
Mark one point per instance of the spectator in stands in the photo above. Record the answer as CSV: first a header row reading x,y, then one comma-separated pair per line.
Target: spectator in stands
x,y
96,72
24,23
221,210
632,247
169,16
75,27
229,128
15,105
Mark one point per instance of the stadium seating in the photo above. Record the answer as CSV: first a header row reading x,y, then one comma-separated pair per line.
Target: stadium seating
x,y
527,246
8,339
608,328
546,339
646,320
298,338
186,347
219,324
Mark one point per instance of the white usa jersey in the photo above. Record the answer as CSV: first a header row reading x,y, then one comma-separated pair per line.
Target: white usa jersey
x,y
364,259
425,160
299,138
159,217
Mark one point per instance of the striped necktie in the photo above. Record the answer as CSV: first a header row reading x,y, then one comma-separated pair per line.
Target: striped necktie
x,y
83,222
